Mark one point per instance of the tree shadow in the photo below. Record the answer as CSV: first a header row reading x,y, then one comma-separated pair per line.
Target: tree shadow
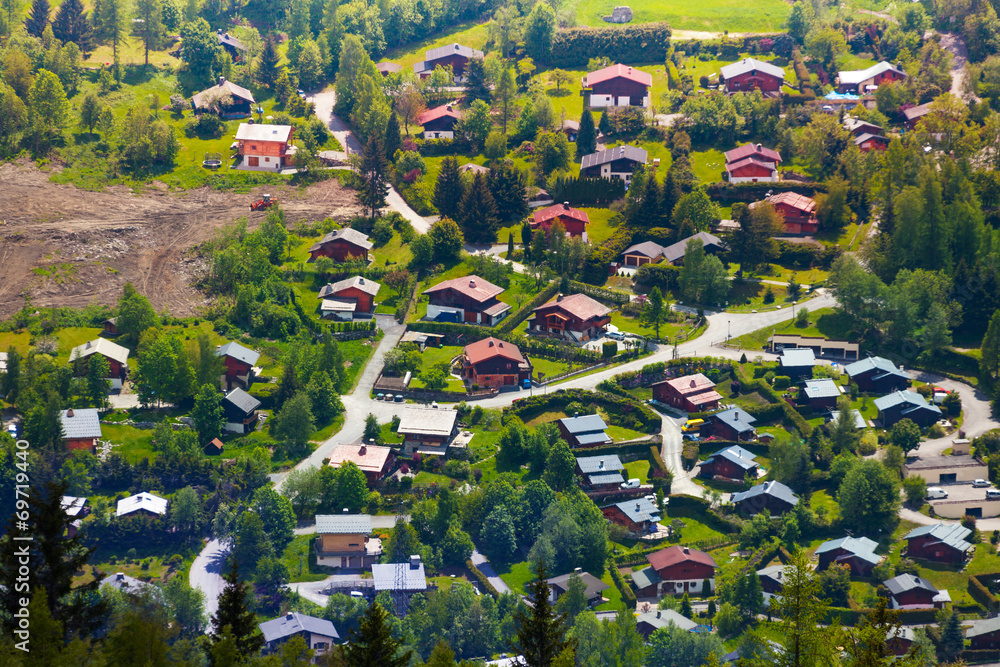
x,y
555,92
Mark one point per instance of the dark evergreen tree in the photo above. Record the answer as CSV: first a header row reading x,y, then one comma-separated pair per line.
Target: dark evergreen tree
x,y
234,613
448,190
372,644
72,25
478,213
669,195
507,187
372,172
605,123
38,18
510,245
476,87
392,139
647,213
952,639
586,136
540,630
268,67
526,236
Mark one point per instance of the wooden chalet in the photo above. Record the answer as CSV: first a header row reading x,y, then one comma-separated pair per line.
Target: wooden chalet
x,y
734,424
774,498
343,540
81,429
455,56
690,393
227,100
594,587
751,74
584,431
941,542
819,394
984,634
240,410
733,462
266,147
600,473
373,460
858,553
342,245
877,375
862,81
214,448
680,570
440,122
617,86
871,142
492,362
797,363
914,114
385,68
143,503
639,516
110,327
116,356
349,298
798,212
469,299
619,162
647,252
576,318
908,591
239,365
573,220
234,47
752,163
318,634
427,430
906,405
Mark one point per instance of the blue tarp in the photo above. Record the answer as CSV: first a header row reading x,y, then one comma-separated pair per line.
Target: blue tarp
x,y
840,96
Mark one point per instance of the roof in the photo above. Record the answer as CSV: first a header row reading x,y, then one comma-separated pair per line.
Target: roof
x,y
855,76
797,358
205,97
445,110
639,510
427,421
388,66
611,154
589,465
951,535
343,524
476,288
142,501
560,210
594,585
371,458
775,572
580,306
861,547
755,150
675,251
606,478
348,234
238,352
918,111
740,421
474,168
773,489
736,165
74,505
215,444
821,388
293,623
228,40
411,578
242,400
489,348
661,618
794,200
585,424
618,71
880,364
450,50
256,132
646,249
101,346
123,582
366,285
689,384
751,65
81,423
678,554
983,627
912,399
867,136
645,577
851,124
908,582
594,438
859,419
945,462
345,305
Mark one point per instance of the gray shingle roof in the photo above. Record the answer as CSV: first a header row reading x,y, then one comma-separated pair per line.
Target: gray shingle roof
x,y
737,419
364,284
348,234
595,438
775,572
101,346
639,510
584,424
238,352
797,357
773,489
983,627
85,423
594,585
125,583
343,524
610,155
750,65
594,464
661,618
606,478
646,577
952,535
427,421
293,623
385,577
855,76
877,364
859,419
646,249
822,388
912,399
452,49
908,582
242,400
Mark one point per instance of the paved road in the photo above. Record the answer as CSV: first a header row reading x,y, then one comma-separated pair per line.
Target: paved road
x,y
206,575
491,575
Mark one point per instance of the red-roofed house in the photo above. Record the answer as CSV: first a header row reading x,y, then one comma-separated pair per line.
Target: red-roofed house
x,y
374,461
691,393
470,299
798,210
439,123
682,570
757,151
577,318
573,220
752,163
492,362
618,86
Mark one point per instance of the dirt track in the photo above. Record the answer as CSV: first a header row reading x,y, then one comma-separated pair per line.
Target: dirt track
x,y
91,243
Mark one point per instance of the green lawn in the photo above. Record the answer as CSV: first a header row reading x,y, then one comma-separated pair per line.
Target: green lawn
x,y
716,16
73,336
708,165
600,229
515,575
620,433
20,340
300,560
825,322
134,444
638,469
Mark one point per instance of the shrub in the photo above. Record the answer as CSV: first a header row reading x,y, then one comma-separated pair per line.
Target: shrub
x,y
204,126
609,349
935,431
782,382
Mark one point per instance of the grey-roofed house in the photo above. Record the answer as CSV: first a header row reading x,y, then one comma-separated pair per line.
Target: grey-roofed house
x,y
600,471
618,162
674,253
647,252
400,577
752,74
585,431
116,356
349,298
984,634
771,497
734,424
859,419
125,583
427,430
819,393
797,363
240,410
81,428
594,586
342,245
639,516
908,591
456,56
858,553
233,46
319,634
772,581
646,581
877,375
226,99
345,541
240,365
651,621
906,405
941,542
144,503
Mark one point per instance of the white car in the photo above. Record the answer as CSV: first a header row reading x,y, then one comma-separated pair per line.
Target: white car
x,y
12,429
980,484
633,483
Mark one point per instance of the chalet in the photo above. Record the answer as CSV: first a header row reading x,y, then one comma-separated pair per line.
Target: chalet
x,y
877,375
822,347
573,220
683,570
227,100
427,430
914,114
906,405
349,298
455,56
734,424
639,516
772,497
319,634
821,393
752,163
772,580
234,47
859,419
240,409
901,641
373,460
858,553
619,162
559,585
908,591
266,147
440,122
75,507
797,363
214,448
400,577
984,634
618,86
585,431
385,68
752,74
690,393
600,472
81,429
473,168
470,299
798,211
649,622
861,81
492,362
116,355
342,245
144,503
947,469
647,252
110,327
943,543
125,584
732,462
576,318
871,142
674,253
344,540
857,127
240,364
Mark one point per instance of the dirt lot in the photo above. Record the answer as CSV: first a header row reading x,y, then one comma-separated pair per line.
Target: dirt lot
x,y
67,247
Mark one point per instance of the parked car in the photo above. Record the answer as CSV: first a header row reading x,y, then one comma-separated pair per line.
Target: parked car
x,y
693,437
692,424
633,483
12,429
980,483
992,494
614,335
936,493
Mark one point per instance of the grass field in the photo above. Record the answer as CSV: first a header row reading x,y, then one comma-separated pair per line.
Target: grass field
x,y
716,16
300,560
826,322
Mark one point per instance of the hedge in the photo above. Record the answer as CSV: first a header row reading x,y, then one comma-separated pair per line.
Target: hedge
x,y
481,578
906,616
599,293
806,255
588,191
751,192
407,299
761,386
628,595
469,333
621,411
645,43
522,313
981,593
971,657
664,276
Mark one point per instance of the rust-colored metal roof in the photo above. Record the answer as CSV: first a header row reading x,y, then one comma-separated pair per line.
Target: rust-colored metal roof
x,y
580,306
615,72
491,347
560,210
474,287
795,200
753,150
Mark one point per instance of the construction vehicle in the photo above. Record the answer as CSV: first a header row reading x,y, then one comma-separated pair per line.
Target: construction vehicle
x,y
263,204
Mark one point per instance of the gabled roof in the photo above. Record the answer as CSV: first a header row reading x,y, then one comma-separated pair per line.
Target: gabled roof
x,y
74,505
983,627
228,40
618,71
257,132
688,384
603,478
589,465
580,306
908,582
773,489
821,388
855,76
753,150
560,210
242,401
661,618
101,346
611,154
583,424
911,401
646,249
125,583
399,576
474,287
370,458
793,199
427,421
142,501
880,365
678,554
445,110
81,423
867,136
343,524
675,251
859,419
293,623
238,352
740,421
594,585
797,357
347,234
861,547
639,510
489,348
736,165
751,65
918,111
225,87
450,50
645,577
387,67
775,573
851,124
951,535
366,285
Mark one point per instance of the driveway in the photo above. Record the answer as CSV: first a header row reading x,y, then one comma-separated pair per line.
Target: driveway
x,y
310,590
206,575
491,575
954,43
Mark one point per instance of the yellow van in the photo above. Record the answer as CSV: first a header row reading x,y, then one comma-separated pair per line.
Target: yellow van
x,y
692,425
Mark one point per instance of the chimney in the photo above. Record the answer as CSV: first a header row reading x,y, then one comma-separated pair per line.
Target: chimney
x,y
222,80
120,576
89,343
363,451
347,510
491,342
449,107
575,415
658,612
558,298
457,47
289,616
686,550
361,281
69,413
414,562
637,507
692,384
219,31
472,283
565,205
601,464
578,570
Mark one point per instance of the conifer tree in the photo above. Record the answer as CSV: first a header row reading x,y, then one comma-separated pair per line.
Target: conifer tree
x,y
38,18
111,22
150,30
540,631
235,614
448,190
372,172
267,66
476,87
507,187
72,25
478,213
372,644
605,123
510,246
392,138
586,136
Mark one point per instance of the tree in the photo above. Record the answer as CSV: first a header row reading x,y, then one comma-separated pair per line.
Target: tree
x,y
801,612
456,545
748,597
504,94
373,644
410,105
478,212
990,362
372,172
393,142
560,466
510,246
476,86
868,497
276,515
936,334
90,112
540,631
697,210
825,45
499,540
207,413
844,436
915,488
952,638
448,191
72,25
48,106
185,510
539,29
654,312
561,76
373,432
98,370
586,136
268,65
323,398
832,210
187,606
800,21
447,239
752,241
553,151
235,614
150,29
135,314
38,18
476,123
604,125
905,434
112,20
251,542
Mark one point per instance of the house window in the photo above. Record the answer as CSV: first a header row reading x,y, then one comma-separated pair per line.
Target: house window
x,y
253,147
267,159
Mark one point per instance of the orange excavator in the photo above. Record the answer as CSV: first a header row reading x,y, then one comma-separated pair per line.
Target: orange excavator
x,y
263,204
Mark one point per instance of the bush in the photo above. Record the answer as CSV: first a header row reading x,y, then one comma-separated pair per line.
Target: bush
x,y
204,126
782,382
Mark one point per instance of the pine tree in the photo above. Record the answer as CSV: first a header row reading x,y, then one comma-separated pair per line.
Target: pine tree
x,y
151,29
669,195
372,644
235,614
478,213
476,87
268,67
510,246
507,187
111,21
541,631
448,191
526,236
604,126
952,638
586,136
372,172
392,139
72,25
38,18
647,214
